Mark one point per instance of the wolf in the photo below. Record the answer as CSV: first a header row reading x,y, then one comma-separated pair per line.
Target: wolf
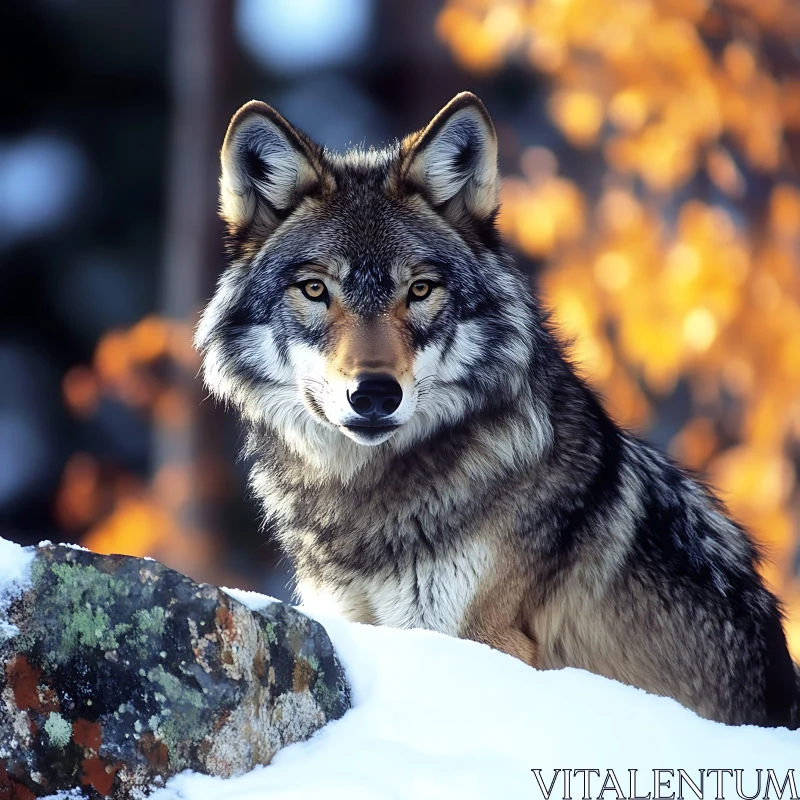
x,y
425,452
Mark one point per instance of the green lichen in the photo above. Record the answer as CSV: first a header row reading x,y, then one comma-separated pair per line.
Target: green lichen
x,y
269,629
151,621
90,627
78,600
175,690
38,568
187,724
59,730
149,625
88,583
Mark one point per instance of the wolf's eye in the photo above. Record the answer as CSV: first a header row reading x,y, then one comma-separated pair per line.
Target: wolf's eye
x,y
314,290
419,290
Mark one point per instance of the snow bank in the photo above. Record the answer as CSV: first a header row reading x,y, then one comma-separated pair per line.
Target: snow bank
x,y
15,565
436,717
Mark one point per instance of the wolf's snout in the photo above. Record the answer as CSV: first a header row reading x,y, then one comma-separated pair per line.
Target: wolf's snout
x,y
375,397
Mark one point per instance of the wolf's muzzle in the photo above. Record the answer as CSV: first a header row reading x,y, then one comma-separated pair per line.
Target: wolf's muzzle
x,y
375,397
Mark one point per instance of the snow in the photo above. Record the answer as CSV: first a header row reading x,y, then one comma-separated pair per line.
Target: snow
x,y
253,600
15,565
436,717
48,543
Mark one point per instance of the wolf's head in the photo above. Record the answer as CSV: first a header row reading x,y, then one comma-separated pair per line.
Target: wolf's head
x,y
368,298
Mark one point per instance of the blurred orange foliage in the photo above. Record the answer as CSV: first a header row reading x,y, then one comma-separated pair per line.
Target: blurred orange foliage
x,y
110,509
678,101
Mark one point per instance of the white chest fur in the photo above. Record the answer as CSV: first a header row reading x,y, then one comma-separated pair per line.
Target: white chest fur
x,y
433,593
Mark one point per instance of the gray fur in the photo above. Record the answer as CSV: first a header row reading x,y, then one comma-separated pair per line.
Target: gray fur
x,y
505,505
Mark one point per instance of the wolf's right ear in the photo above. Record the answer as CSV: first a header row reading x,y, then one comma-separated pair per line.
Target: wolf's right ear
x,y
453,161
268,166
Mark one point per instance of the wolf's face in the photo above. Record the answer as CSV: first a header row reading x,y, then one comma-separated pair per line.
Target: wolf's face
x,y
368,298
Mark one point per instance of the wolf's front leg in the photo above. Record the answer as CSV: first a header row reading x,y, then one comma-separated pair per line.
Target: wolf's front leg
x,y
349,603
509,640
495,619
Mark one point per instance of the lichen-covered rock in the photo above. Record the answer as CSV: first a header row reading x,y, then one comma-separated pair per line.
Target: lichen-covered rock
x,y
117,673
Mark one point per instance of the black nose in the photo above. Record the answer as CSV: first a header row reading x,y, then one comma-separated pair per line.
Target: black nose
x,y
375,396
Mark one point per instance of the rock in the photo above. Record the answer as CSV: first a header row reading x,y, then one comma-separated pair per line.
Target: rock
x,y
122,673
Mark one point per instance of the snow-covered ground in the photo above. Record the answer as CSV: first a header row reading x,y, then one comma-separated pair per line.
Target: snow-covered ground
x,y
15,562
436,717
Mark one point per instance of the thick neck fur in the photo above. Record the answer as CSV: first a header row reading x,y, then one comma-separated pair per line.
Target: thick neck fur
x,y
391,500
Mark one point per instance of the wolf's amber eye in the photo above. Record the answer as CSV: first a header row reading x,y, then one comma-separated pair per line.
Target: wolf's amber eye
x,y
314,290
419,290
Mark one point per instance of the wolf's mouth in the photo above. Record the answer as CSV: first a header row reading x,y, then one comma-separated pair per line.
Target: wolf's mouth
x,y
369,434
366,430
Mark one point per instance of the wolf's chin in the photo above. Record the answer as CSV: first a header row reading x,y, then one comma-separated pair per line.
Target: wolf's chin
x,y
369,437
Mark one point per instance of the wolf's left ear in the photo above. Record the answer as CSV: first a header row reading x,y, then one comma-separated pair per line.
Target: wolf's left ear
x,y
453,161
268,167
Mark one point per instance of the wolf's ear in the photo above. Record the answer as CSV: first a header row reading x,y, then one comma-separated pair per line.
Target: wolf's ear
x,y
267,168
453,161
